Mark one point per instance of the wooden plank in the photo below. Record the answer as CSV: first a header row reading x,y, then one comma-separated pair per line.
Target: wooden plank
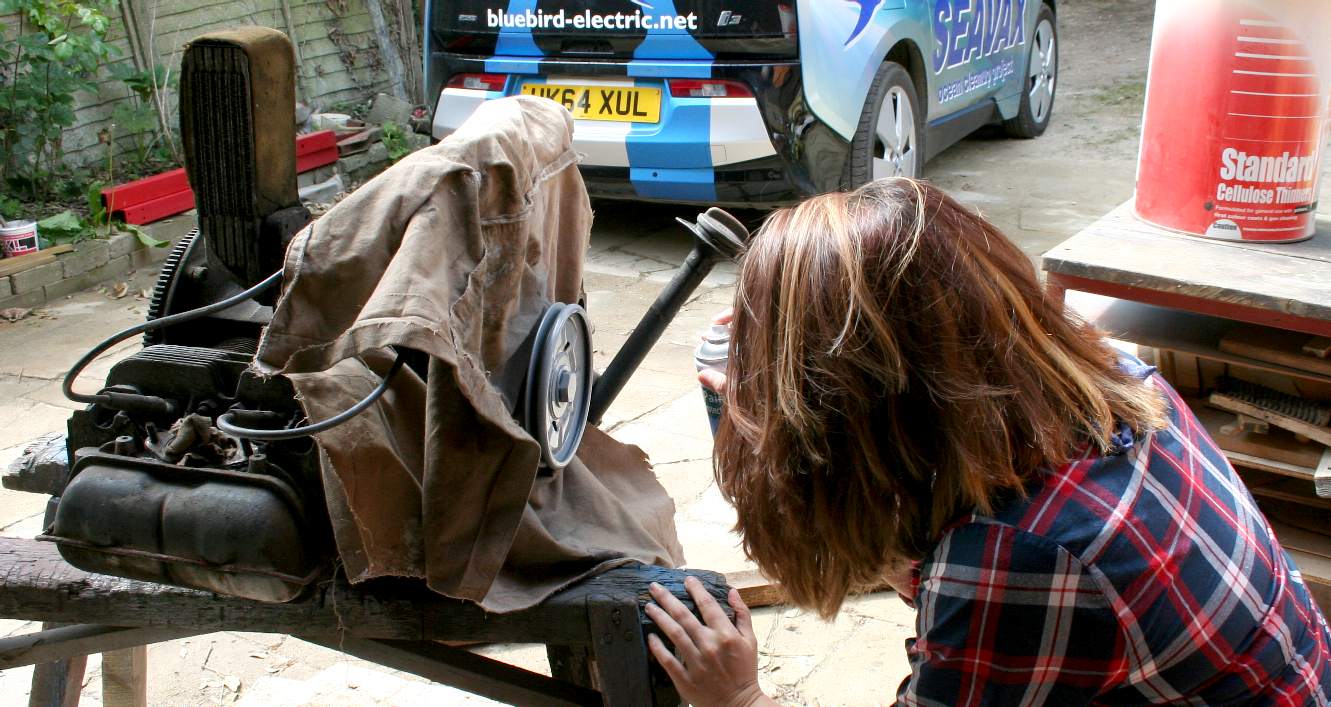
x,y
1285,282
755,589
1174,330
1277,445
1233,404
125,677
1283,488
19,263
1200,305
1322,475
314,160
1319,346
51,644
1277,346
140,190
58,684
466,671
146,212
36,584
315,142
1246,461
41,467
619,648
570,664
154,198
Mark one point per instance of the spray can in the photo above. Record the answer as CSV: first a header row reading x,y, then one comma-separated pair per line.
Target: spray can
x,y
712,354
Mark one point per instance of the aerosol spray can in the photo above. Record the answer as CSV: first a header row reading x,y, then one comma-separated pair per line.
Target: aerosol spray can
x,y
711,354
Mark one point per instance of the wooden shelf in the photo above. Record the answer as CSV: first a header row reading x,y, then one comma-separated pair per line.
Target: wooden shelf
x,y
1282,488
1276,452
1303,534
1173,329
1201,290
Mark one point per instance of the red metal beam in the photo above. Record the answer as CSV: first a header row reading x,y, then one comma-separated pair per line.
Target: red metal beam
x,y
1190,303
167,194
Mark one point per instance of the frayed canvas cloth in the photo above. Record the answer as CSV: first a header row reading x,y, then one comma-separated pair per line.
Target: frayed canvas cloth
x,y
455,252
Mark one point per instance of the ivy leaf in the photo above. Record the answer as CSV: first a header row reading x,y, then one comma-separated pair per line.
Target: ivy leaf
x,y
143,236
64,226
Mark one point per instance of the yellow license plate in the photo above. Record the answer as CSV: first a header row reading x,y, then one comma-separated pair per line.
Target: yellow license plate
x,y
621,103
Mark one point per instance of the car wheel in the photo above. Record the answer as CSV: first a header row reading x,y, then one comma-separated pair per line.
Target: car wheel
x,y
889,141
1037,97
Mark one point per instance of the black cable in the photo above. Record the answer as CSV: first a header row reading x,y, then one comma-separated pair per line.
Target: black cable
x,y
223,421
225,424
68,387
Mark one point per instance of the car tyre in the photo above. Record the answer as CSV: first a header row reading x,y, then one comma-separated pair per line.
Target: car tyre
x,y
889,140
1037,95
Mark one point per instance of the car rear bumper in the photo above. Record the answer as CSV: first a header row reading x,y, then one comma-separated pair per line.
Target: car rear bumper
x,y
694,132
764,148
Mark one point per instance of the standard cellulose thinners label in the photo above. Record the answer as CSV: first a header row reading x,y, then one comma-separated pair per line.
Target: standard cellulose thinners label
x,y
1236,116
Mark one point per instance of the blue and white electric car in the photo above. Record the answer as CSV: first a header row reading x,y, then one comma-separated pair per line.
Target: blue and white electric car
x,y
746,102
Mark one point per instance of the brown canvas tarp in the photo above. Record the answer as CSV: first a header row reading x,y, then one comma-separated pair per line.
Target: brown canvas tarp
x,y
455,252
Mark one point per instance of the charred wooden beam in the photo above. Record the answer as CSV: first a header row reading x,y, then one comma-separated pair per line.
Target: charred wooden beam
x,y
37,585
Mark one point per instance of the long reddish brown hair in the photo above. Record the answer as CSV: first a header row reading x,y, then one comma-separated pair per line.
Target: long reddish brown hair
x,y
894,365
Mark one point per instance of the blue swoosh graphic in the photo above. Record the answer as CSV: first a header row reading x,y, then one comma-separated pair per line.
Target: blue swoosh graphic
x,y
867,8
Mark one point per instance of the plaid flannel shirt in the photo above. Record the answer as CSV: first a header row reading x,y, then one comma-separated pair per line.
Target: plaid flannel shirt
x,y
1147,575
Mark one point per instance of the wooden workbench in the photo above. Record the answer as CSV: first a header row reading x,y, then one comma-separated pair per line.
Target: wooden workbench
x,y
594,630
1286,286
1181,296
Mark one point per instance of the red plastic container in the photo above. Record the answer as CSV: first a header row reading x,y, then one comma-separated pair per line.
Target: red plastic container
x,y
1236,118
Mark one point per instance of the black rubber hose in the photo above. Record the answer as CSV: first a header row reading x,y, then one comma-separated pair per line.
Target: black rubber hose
x,y
68,387
225,424
155,404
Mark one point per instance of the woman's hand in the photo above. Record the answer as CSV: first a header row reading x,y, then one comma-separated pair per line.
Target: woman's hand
x,y
715,662
716,380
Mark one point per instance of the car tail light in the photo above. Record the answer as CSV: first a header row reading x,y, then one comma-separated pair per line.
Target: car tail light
x,y
708,88
479,82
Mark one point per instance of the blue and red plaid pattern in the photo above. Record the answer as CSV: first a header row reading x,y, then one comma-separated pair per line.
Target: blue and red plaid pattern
x,y
1144,576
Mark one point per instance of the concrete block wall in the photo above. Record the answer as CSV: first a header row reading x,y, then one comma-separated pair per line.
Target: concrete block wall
x,y
91,263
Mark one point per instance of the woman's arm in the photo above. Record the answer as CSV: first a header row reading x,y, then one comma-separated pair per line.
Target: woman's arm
x,y
1007,618
715,662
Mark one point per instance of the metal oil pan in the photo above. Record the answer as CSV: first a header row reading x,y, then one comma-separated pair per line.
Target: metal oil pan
x,y
228,532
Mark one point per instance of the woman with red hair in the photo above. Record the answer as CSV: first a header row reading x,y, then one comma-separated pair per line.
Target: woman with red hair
x,y
904,404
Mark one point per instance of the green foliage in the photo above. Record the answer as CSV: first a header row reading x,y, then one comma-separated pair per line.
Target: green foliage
x,y
64,227
142,235
68,227
10,208
143,83
137,117
355,109
55,53
394,138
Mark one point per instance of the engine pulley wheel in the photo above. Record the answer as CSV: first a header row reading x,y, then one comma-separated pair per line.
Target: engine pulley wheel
x,y
559,383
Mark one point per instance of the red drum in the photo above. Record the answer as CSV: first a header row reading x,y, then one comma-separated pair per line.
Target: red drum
x,y
1237,108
